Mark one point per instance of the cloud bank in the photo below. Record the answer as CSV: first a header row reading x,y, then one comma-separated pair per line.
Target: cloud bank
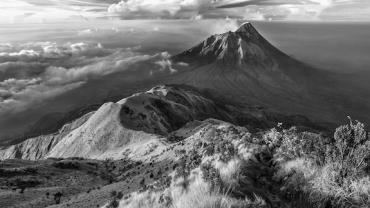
x,y
43,70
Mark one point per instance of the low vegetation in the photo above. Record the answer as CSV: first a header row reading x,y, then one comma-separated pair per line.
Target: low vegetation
x,y
279,168
326,172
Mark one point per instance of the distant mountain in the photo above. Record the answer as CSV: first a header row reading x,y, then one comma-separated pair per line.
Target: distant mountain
x,y
247,53
245,68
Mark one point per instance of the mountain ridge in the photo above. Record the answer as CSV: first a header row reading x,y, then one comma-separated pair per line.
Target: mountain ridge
x,y
143,118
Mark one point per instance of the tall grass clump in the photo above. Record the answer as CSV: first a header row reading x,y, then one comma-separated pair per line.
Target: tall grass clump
x,y
198,194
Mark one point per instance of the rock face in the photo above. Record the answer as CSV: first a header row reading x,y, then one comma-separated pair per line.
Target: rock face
x,y
139,119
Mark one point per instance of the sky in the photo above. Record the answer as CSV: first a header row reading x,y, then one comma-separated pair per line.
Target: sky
x,y
40,11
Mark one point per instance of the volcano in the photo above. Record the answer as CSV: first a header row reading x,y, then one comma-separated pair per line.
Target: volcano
x,y
246,68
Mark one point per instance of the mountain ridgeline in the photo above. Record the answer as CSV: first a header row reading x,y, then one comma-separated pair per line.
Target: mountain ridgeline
x,y
139,120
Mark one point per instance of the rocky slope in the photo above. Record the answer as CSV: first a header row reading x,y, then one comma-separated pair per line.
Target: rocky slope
x,y
143,119
109,131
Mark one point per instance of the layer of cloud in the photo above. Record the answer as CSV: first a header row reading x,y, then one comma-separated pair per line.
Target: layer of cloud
x,y
20,11
305,10
44,70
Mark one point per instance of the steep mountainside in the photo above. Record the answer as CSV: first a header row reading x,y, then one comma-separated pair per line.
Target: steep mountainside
x,y
248,54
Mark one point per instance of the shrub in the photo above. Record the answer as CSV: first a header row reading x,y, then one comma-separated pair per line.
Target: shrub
x,y
113,204
295,144
119,195
57,197
211,175
351,150
329,171
67,165
226,150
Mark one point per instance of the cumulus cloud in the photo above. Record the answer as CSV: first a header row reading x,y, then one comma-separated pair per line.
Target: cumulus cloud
x,y
165,63
199,9
132,9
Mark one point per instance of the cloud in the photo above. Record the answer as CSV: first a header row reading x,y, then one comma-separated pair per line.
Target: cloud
x,y
165,63
298,10
28,93
44,70
347,10
149,9
240,9
37,51
35,11
118,61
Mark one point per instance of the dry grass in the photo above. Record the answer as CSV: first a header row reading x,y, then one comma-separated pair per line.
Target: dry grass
x,y
319,184
197,195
